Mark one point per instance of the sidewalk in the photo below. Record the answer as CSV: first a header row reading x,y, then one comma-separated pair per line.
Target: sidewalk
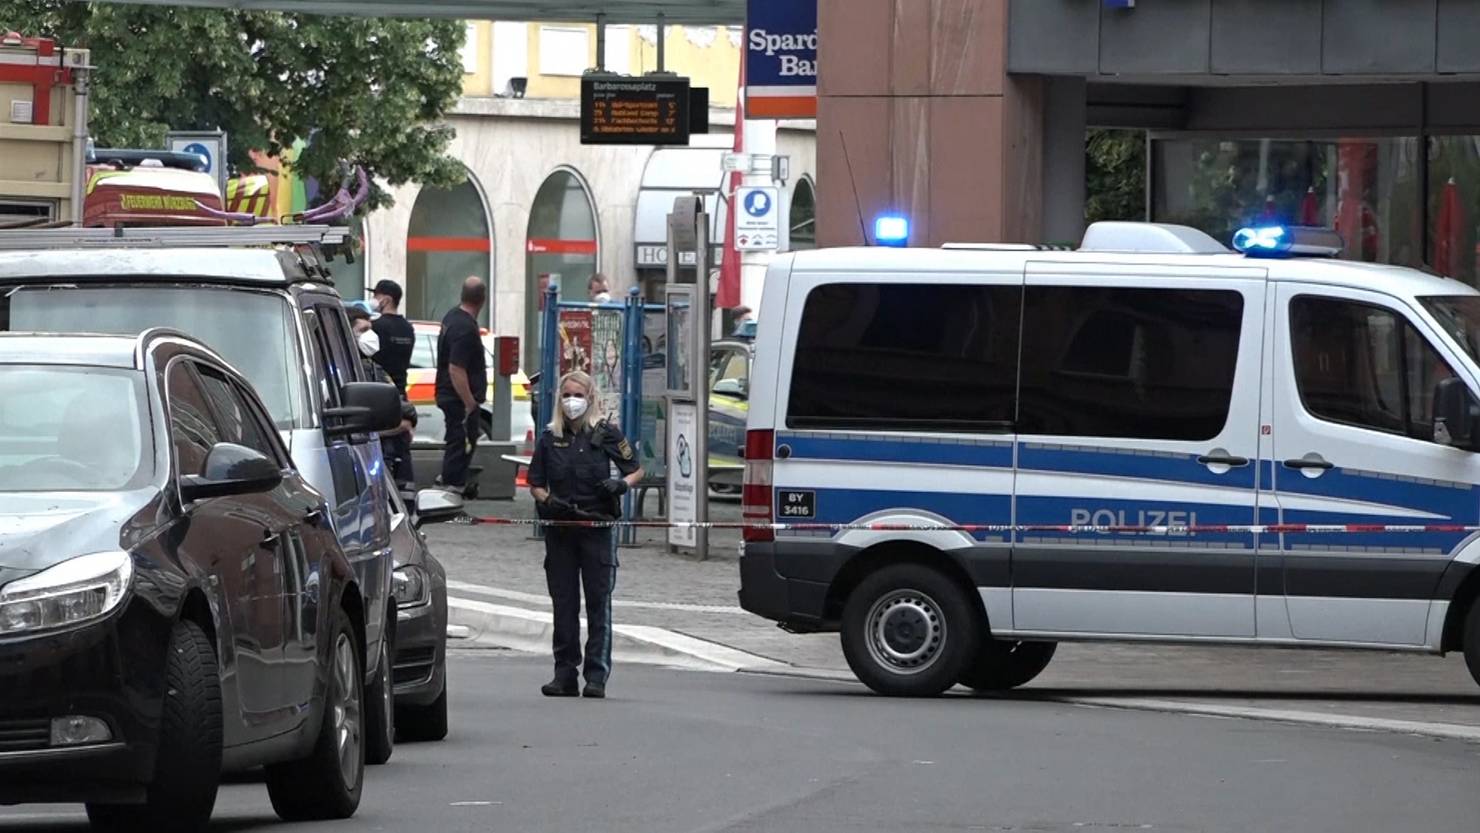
x,y
656,589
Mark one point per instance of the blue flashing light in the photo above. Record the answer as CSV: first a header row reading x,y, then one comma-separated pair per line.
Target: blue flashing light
x,y
1263,241
892,230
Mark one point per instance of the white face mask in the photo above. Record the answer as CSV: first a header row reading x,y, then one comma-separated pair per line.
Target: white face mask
x,y
369,343
573,406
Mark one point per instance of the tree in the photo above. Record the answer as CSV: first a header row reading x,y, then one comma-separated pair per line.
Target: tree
x,y
1115,175
361,90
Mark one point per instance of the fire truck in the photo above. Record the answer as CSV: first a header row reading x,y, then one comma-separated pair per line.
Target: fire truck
x,y
43,131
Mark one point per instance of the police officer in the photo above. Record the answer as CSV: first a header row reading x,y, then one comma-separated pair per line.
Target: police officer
x,y
571,479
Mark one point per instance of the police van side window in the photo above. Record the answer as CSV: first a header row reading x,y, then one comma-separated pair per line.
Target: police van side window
x,y
906,357
1125,362
1365,366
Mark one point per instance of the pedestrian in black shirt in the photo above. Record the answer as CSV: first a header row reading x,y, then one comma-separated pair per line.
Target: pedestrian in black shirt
x,y
571,478
462,382
397,336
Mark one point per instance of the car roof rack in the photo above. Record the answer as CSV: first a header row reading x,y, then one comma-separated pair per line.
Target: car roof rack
x,y
144,237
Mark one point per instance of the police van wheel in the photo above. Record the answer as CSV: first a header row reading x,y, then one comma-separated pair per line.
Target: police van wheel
x,y
1003,665
1472,640
909,631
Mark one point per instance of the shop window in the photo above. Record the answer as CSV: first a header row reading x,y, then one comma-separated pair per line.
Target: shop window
x,y
561,246
803,217
447,242
1368,189
906,357
1144,363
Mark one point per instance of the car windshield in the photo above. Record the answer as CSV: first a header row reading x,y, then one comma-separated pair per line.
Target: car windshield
x,y
254,331
66,429
1459,315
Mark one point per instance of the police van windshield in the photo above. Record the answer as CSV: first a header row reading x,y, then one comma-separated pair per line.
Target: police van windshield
x,y
1459,315
254,331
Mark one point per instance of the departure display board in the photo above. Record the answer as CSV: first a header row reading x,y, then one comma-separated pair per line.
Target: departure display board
x,y
617,110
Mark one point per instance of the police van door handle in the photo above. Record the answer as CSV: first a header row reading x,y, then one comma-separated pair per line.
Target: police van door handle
x,y
1311,464
1219,457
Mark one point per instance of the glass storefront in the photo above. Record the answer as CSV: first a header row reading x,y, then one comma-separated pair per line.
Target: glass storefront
x,y
1393,200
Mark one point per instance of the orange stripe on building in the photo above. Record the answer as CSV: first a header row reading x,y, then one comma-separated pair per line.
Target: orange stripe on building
x,y
781,107
448,244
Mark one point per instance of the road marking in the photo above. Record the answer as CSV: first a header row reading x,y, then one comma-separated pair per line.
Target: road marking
x,y
539,598
1448,731
475,804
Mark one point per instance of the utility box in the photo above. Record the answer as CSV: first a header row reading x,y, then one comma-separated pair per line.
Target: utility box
x,y
43,131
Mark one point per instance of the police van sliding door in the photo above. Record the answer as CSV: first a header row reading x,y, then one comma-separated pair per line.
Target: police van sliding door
x,y
1138,405
1353,442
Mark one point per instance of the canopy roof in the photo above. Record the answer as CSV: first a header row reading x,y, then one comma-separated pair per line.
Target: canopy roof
x,y
712,12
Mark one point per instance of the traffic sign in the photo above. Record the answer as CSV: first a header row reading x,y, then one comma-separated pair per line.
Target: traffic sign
x,y
758,219
208,144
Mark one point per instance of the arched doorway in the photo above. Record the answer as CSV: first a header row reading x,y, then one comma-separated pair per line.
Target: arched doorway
x,y
803,215
561,244
447,242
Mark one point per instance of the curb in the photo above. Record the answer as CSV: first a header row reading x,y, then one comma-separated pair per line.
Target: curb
x,y
530,631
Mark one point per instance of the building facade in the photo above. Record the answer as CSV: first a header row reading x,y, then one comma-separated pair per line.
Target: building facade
x,y
538,205
970,115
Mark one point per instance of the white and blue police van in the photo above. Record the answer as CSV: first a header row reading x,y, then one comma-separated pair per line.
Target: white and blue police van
x,y
1151,378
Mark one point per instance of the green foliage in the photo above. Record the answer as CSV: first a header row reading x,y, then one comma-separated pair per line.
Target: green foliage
x,y
1115,175
368,91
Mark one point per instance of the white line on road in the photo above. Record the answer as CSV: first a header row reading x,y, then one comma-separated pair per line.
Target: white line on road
x,y
539,598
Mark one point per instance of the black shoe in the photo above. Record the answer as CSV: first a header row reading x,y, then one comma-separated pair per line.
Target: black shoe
x,y
559,688
596,691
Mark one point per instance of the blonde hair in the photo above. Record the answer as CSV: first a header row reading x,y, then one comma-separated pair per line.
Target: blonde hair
x,y
593,400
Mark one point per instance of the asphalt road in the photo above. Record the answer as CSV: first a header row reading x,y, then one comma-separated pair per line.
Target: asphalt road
x,y
691,751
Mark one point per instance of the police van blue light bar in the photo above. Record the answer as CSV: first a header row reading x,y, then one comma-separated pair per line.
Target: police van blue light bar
x,y
1287,241
892,230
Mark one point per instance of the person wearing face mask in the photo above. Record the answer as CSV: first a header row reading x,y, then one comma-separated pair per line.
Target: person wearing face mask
x,y
571,478
396,444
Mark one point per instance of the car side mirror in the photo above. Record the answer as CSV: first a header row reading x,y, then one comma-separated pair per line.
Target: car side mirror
x,y
368,408
731,387
231,469
434,506
1454,414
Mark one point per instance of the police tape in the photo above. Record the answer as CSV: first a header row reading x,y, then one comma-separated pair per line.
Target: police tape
x,y
995,529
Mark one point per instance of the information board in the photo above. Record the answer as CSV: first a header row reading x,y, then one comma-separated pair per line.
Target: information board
x,y
683,485
616,110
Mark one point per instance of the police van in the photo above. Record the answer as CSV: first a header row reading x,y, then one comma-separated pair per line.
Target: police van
x,y
1151,378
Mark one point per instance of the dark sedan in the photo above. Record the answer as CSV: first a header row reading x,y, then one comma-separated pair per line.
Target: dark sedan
x,y
173,601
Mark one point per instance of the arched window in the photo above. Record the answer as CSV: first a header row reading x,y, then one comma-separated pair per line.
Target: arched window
x,y
803,216
561,244
448,241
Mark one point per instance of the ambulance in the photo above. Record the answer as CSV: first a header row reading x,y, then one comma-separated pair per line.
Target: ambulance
x,y
1133,435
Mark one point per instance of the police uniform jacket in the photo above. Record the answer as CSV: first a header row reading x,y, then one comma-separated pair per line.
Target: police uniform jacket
x,y
573,467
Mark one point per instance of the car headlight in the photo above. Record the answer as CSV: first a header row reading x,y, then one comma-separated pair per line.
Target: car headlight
x,y
411,586
74,591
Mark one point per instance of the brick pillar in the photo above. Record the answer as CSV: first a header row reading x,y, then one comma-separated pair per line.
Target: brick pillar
x,y
917,91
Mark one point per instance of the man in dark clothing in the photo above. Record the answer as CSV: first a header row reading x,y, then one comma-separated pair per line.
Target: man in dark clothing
x,y
462,382
396,444
397,336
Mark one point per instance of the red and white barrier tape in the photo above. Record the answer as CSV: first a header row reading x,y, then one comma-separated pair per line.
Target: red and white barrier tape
x,y
1002,529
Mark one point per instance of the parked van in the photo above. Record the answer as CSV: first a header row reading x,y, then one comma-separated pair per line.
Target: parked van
x,y
1151,378
264,300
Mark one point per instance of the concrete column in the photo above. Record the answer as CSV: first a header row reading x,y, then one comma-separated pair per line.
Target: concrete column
x,y
1064,124
918,115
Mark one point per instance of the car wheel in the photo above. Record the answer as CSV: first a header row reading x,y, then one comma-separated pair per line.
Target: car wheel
x,y
188,767
327,783
1003,665
909,631
423,723
380,710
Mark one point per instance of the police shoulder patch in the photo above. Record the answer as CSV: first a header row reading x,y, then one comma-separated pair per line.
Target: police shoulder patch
x,y
625,448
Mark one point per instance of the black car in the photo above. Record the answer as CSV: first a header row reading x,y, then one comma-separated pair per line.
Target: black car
x,y
173,600
421,617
